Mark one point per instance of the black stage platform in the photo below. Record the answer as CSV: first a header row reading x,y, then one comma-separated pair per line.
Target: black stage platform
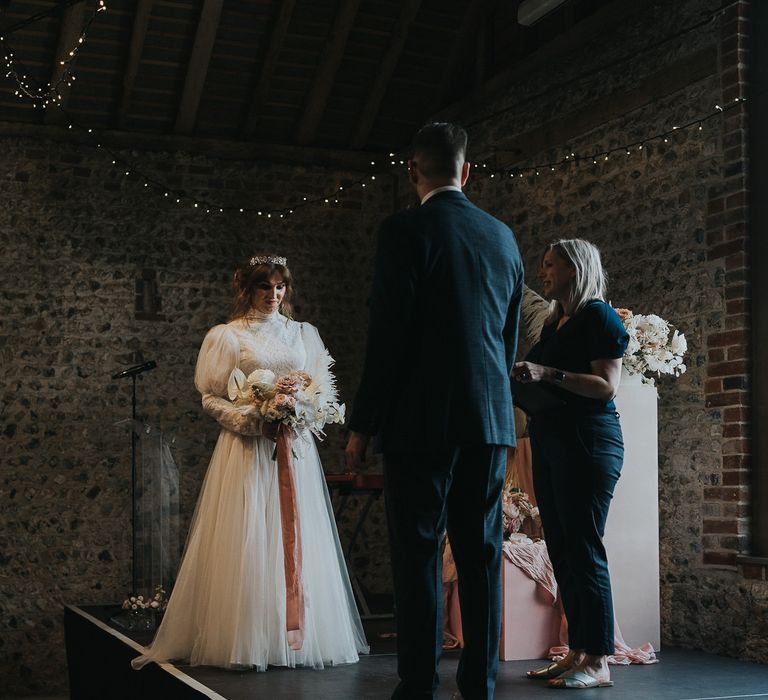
x,y
99,665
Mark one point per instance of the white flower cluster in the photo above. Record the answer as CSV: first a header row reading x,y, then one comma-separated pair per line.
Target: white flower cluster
x,y
653,347
298,399
138,602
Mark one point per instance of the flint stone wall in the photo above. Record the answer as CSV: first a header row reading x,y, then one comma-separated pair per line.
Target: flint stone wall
x,y
76,234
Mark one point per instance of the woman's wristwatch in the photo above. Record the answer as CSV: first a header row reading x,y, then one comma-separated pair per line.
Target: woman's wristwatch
x,y
558,376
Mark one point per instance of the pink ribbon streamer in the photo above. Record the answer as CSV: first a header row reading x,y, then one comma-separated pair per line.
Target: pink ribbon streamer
x,y
289,521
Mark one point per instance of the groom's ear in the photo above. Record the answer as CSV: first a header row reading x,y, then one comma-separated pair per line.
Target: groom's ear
x,y
464,173
413,174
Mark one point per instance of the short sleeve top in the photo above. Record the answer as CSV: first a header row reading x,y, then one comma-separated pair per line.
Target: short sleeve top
x,y
595,333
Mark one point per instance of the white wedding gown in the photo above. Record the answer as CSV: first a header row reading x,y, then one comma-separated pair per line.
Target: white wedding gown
x,y
228,606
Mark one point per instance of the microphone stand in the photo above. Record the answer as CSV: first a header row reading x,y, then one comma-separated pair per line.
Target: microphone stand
x,y
134,372
134,438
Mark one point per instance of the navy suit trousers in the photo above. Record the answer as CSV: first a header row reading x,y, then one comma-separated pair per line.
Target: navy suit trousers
x,y
458,489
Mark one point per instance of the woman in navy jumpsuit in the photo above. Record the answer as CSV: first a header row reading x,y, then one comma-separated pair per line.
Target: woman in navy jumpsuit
x,y
578,451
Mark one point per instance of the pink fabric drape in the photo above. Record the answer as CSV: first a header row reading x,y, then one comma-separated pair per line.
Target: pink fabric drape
x,y
622,656
532,559
289,520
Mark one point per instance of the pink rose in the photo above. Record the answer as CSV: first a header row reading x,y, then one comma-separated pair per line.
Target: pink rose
x,y
284,401
291,383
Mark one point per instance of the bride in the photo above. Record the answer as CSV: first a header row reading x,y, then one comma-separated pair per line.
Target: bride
x,y
232,602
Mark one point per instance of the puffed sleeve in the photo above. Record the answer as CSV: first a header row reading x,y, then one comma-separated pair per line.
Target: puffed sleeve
x,y
318,359
608,338
219,355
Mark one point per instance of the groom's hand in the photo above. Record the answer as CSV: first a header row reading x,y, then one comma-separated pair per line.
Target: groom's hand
x,y
354,454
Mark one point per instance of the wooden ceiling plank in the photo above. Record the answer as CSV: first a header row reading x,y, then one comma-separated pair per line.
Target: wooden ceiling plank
x,y
326,72
408,12
138,34
72,22
603,20
197,69
261,93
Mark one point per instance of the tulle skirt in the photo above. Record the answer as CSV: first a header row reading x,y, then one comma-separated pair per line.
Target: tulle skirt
x,y
227,608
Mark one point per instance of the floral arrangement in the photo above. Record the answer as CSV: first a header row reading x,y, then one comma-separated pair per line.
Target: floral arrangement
x,y
520,517
654,346
296,399
157,602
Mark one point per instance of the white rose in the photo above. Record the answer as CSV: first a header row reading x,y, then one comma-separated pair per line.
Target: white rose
x,y
263,380
633,346
678,344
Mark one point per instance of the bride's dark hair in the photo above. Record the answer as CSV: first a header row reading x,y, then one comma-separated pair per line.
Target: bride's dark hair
x,y
248,277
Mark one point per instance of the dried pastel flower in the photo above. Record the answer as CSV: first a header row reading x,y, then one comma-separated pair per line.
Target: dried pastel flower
x,y
300,400
650,348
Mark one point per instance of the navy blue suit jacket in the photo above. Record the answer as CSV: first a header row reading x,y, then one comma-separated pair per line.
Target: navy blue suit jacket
x,y
444,310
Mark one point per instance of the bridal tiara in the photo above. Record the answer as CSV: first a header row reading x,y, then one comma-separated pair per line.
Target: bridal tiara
x,y
268,260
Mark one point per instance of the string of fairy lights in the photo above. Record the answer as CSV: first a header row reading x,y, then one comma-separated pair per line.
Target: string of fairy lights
x,y
598,157
51,93
49,96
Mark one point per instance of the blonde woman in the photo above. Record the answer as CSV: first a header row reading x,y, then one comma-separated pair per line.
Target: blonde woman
x,y
577,451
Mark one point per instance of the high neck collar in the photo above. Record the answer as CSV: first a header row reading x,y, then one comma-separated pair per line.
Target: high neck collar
x,y
255,316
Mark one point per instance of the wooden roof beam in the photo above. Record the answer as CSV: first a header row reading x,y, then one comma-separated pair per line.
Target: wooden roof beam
x,y
221,149
601,21
467,34
261,93
408,11
136,48
72,22
207,28
326,72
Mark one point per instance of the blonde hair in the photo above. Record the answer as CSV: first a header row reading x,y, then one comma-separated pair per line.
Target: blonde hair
x,y
246,280
589,282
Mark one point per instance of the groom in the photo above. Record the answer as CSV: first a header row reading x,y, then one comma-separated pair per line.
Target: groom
x,y
435,390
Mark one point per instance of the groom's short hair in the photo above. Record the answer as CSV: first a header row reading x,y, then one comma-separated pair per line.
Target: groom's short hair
x,y
440,148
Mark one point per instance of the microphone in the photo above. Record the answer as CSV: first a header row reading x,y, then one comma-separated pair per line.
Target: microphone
x,y
137,369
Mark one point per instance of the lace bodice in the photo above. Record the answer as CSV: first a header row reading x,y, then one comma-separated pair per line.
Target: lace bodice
x,y
266,342
270,343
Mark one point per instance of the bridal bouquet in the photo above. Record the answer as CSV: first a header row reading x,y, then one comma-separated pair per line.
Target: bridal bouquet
x,y
520,517
296,399
651,348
